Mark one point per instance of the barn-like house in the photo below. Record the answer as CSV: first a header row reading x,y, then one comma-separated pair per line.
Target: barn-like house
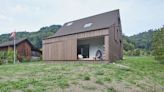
x,y
24,49
87,38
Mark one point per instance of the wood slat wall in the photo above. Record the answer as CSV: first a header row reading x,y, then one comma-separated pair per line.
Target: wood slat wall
x,y
60,50
65,48
78,36
106,45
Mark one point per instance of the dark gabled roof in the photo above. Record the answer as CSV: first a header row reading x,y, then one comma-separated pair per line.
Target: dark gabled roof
x,y
11,43
100,21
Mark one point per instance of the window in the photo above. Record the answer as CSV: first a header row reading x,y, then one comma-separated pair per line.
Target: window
x,y
69,24
87,25
119,21
116,35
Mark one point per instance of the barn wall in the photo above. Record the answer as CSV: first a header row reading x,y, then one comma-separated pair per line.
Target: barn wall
x,y
24,49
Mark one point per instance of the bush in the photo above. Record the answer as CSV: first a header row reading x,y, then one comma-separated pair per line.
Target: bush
x,y
136,52
158,45
10,55
99,81
86,77
2,57
100,72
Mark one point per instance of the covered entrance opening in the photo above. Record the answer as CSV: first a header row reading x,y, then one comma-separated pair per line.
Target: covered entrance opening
x,y
90,48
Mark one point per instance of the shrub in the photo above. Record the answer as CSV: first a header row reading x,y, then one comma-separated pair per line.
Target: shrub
x,y
158,45
100,72
10,55
86,77
99,81
136,52
107,79
111,89
2,57
63,83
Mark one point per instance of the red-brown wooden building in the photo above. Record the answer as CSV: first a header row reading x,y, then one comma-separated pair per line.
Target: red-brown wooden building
x,y
24,49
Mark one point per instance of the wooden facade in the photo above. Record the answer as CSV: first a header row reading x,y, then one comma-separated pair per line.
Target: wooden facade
x,y
23,47
65,47
24,51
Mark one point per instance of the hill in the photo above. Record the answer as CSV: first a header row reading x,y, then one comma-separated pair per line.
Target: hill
x,y
141,41
34,37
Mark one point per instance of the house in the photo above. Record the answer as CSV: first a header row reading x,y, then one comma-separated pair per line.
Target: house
x,y
24,49
97,37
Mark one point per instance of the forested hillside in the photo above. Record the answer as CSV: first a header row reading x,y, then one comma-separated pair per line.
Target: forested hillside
x,y
142,41
139,44
34,37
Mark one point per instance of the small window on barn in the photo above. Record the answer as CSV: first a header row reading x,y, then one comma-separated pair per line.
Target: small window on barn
x,y
116,35
87,25
69,24
120,42
119,21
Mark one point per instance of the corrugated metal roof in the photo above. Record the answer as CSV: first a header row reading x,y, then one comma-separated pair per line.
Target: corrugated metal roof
x,y
99,21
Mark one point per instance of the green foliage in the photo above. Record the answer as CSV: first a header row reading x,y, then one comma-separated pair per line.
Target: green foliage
x,y
111,90
63,83
158,45
143,40
127,44
100,72
33,76
10,55
34,37
99,81
3,56
136,52
86,77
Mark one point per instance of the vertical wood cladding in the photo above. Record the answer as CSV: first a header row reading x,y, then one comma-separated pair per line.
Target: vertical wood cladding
x,y
61,50
65,47
24,50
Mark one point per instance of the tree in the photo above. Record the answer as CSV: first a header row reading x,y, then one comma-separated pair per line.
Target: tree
x,y
158,45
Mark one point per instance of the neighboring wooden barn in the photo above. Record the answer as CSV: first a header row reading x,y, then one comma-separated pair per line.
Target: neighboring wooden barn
x,y
24,49
87,39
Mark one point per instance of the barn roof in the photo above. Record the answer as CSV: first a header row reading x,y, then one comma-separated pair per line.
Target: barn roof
x,y
11,43
99,21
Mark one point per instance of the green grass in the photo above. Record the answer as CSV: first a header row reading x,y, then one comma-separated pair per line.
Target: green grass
x,y
143,73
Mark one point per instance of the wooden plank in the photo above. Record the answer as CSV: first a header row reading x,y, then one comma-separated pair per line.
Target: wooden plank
x,y
106,47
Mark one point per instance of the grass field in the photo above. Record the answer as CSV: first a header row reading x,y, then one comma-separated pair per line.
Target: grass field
x,y
133,74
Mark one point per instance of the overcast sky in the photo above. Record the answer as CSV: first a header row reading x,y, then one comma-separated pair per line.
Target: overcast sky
x,y
30,15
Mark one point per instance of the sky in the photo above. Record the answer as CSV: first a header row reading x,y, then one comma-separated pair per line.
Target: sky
x,y
30,15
